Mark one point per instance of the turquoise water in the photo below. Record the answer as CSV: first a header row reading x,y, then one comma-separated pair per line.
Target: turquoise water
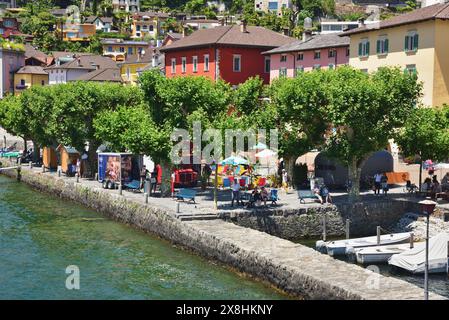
x,y
41,235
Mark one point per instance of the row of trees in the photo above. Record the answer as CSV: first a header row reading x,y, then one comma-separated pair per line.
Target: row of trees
x,y
345,112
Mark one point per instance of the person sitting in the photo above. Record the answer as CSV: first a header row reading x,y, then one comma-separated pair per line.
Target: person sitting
x,y
445,183
317,193
426,187
264,195
255,197
410,187
325,194
436,187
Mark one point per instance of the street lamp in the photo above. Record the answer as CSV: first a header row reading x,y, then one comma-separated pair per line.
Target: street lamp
x,y
427,207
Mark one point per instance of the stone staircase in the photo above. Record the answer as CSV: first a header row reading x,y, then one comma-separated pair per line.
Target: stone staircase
x,y
196,217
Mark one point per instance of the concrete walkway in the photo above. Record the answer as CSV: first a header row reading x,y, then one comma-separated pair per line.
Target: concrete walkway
x,y
292,267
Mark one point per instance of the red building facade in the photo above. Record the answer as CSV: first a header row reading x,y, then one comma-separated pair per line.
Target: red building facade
x,y
231,53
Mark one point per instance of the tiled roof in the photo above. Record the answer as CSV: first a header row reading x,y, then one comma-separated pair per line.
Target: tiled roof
x,y
32,70
91,19
87,62
125,42
233,36
136,58
175,35
31,52
151,14
436,11
108,74
319,41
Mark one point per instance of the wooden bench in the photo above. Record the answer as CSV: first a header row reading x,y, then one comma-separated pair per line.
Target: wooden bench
x,y
306,194
184,194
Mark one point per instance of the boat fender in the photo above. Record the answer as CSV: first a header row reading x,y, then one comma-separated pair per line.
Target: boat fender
x,y
320,246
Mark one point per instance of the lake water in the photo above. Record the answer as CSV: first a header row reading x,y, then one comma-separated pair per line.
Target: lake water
x,y
41,235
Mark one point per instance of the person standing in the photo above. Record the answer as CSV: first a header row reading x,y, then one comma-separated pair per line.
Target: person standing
x,y
384,183
143,176
285,180
235,193
377,183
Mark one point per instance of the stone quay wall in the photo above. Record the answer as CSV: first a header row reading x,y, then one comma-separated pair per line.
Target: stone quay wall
x,y
291,267
307,222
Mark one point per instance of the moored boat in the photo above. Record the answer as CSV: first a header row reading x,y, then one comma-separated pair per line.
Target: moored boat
x,y
378,254
338,247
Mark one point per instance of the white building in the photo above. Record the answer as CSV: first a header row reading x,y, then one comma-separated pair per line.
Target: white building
x,y
272,5
101,23
77,66
126,5
333,26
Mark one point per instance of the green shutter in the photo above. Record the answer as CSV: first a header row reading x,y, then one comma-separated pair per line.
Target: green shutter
x,y
406,43
378,46
415,42
386,45
360,49
367,49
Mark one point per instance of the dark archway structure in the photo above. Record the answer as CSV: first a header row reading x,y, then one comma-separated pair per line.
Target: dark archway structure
x,y
335,174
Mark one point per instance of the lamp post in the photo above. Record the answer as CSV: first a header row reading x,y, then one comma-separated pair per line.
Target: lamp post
x,y
427,208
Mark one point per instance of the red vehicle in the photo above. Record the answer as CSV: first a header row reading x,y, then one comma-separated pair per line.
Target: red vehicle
x,y
185,178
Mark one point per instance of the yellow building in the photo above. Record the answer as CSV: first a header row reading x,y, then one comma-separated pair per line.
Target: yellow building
x,y
29,76
119,49
415,42
148,24
77,31
133,64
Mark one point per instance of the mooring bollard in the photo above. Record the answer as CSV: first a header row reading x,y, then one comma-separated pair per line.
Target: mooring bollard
x,y
30,164
411,240
77,178
19,173
378,235
43,169
448,259
96,176
59,173
348,222
146,197
120,191
324,227
178,207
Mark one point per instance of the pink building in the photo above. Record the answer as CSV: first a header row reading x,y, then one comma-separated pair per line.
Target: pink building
x,y
313,52
11,60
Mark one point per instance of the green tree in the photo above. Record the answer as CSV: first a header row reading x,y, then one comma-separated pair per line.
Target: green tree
x,y
365,110
426,135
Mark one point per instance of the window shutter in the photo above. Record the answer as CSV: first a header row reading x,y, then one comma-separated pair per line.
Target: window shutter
x,y
406,43
386,45
367,49
360,49
378,46
415,42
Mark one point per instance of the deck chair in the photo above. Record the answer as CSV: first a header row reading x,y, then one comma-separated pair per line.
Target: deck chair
x,y
133,185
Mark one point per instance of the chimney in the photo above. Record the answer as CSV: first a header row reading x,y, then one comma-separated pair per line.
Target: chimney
x,y
243,26
307,33
184,31
286,32
361,22
78,61
223,22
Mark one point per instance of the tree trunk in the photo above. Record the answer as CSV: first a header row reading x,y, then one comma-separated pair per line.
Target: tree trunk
x,y
289,166
92,159
354,172
25,149
36,152
420,175
166,179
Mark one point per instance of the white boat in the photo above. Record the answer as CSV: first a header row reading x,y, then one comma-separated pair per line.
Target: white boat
x,y
338,247
378,254
413,260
